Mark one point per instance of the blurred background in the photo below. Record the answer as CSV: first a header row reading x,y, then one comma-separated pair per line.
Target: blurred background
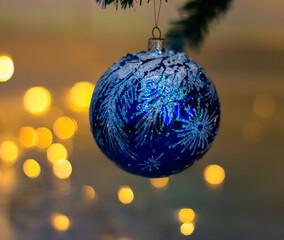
x,y
54,181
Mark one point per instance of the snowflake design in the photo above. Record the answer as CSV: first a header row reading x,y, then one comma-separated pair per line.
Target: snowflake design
x,y
195,130
151,164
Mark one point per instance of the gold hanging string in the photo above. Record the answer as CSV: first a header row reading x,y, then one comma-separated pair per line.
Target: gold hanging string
x,y
157,15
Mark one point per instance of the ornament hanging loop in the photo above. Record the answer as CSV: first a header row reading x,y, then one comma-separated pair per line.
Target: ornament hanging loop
x,y
153,32
156,43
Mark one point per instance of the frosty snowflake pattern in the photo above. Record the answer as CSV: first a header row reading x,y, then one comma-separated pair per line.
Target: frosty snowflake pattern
x,y
151,164
154,102
195,131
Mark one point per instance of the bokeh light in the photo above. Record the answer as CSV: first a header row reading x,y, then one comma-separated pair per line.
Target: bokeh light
x,y
31,168
88,193
56,152
27,137
64,127
8,151
62,169
186,215
37,100
159,182
6,68
187,229
252,132
44,137
264,105
60,222
214,174
80,96
125,194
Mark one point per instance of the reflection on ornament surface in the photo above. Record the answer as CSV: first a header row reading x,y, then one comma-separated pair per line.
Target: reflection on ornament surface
x,y
155,113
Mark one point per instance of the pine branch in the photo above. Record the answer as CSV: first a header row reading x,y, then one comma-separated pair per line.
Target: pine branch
x,y
194,25
196,15
124,3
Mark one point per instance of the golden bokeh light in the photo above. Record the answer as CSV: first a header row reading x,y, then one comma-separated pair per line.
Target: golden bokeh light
x,y
186,215
62,169
252,132
27,137
60,222
187,229
159,182
8,151
64,127
37,100
214,174
125,194
264,105
56,152
6,68
31,168
44,137
80,96
88,193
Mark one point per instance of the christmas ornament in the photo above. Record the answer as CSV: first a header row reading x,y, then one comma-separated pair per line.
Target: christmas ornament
x,y
154,113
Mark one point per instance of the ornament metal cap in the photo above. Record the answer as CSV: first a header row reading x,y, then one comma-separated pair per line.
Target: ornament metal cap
x,y
155,43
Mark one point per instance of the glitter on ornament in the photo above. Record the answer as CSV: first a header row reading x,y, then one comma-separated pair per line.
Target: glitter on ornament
x,y
196,129
155,113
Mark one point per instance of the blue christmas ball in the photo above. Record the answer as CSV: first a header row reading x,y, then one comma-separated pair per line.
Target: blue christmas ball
x,y
154,113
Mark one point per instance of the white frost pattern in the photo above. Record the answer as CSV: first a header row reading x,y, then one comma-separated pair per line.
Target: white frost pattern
x,y
211,93
151,164
196,130
159,98
109,113
162,89
158,83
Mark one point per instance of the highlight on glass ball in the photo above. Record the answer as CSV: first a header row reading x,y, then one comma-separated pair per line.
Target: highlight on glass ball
x,y
154,113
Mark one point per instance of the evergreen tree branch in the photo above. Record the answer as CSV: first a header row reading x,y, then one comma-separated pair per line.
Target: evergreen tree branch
x,y
196,15
194,23
123,3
